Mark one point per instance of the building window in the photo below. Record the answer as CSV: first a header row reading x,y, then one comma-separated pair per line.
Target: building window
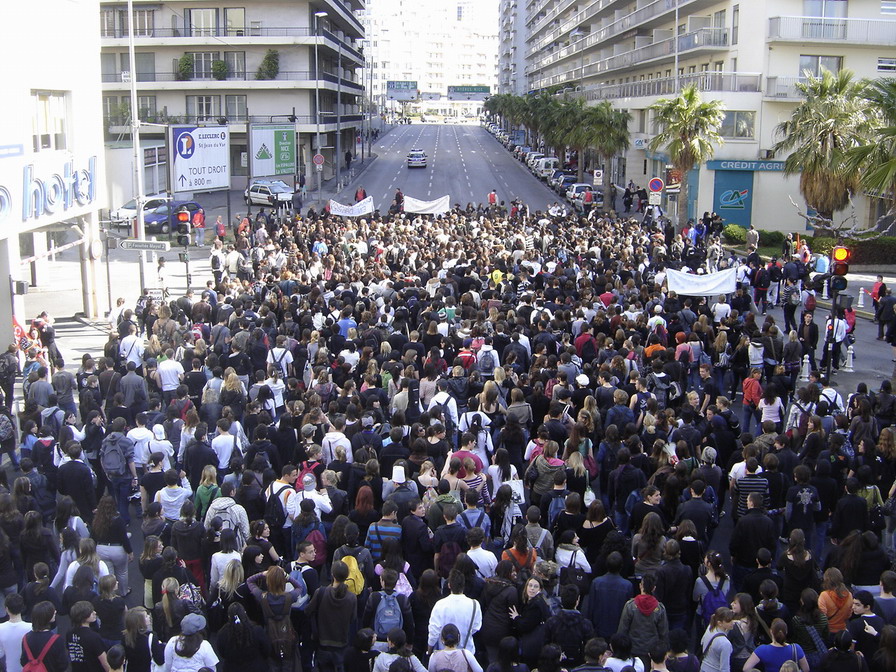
x,y
888,7
738,125
735,23
829,9
147,106
202,64
718,18
107,23
110,107
813,65
235,108
144,22
235,21
236,64
203,22
204,108
886,64
49,120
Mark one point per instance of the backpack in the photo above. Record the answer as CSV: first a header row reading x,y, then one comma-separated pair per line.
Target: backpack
x,y
191,593
810,303
713,599
7,431
685,356
660,332
316,536
486,363
555,508
795,298
465,522
37,664
274,514
229,522
589,350
7,369
296,575
279,631
216,262
447,556
388,615
448,421
775,273
112,458
571,574
355,580
49,417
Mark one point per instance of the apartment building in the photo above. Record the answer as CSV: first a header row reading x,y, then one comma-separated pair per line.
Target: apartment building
x,y
512,48
436,43
51,151
747,53
212,62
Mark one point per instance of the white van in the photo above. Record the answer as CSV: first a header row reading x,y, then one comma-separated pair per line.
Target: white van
x,y
545,167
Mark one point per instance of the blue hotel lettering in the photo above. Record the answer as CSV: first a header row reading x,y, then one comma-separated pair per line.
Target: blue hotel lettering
x,y
48,196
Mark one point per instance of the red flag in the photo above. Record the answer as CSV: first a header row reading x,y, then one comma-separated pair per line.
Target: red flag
x,y
19,335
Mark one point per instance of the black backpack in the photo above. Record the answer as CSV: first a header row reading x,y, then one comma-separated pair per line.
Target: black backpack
x,y
274,514
280,631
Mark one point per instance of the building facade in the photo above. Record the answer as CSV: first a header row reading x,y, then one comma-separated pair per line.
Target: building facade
x,y
51,151
214,63
749,55
512,48
438,44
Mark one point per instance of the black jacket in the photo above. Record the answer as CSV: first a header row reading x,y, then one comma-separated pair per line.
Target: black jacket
x,y
416,544
851,514
699,512
674,583
75,479
197,456
753,531
498,595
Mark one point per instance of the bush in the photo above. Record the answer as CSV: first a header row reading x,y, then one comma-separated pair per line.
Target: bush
x,y
876,251
771,238
270,65
185,68
219,70
735,235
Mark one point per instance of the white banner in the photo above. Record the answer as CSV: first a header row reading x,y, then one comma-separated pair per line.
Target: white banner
x,y
708,284
436,207
357,210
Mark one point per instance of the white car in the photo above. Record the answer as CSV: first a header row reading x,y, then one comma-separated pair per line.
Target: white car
x,y
575,189
416,158
129,210
268,192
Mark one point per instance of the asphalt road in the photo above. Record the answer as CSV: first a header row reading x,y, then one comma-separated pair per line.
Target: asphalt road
x,y
464,161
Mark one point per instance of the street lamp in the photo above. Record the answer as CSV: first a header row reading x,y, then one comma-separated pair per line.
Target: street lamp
x,y
317,15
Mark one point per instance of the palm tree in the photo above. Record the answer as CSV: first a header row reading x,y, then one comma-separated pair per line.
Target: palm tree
x,y
875,159
828,123
566,127
688,129
608,134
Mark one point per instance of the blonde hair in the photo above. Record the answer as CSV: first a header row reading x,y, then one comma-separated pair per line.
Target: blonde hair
x,y
231,578
170,586
576,463
87,555
209,475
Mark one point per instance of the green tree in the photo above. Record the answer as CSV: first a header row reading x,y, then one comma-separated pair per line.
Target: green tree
x,y
831,120
608,134
687,129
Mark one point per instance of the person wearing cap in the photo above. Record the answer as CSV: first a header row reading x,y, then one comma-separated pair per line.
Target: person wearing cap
x,y
367,437
307,488
160,444
404,492
190,651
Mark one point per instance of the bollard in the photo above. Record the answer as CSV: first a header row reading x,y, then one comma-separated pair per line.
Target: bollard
x,y
850,357
824,293
862,292
804,370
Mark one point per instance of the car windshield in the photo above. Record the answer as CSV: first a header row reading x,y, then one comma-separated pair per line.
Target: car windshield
x,y
161,210
279,188
130,205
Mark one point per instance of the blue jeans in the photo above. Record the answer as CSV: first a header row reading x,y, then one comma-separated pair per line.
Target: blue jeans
x,y
120,488
821,541
738,574
748,415
621,520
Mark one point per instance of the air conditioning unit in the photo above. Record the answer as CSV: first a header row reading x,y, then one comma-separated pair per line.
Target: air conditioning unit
x,y
766,154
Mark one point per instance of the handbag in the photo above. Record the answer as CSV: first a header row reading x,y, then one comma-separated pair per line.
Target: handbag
x,y
589,496
591,465
518,489
889,507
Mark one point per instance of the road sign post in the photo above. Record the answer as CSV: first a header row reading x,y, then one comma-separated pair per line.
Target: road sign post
x,y
656,185
145,245
200,158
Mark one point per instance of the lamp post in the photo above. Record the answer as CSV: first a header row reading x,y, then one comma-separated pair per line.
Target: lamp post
x,y
339,114
317,15
135,139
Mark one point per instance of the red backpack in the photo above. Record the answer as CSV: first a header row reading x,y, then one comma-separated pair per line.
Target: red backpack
x,y
37,664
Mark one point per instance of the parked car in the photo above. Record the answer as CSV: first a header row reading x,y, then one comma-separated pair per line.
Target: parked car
x,y
268,192
164,218
560,176
416,158
564,183
129,210
532,157
545,166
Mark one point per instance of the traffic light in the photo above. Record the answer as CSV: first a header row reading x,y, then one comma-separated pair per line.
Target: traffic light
x,y
839,267
183,228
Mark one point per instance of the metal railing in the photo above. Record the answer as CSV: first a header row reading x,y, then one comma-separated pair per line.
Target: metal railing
x,y
194,31
249,75
704,38
817,29
161,118
748,82
783,88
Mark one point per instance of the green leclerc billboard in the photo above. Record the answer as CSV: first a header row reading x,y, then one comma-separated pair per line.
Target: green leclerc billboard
x,y
273,149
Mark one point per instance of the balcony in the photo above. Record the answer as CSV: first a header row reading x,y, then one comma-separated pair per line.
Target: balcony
x,y
737,82
304,122
852,32
702,40
305,78
783,88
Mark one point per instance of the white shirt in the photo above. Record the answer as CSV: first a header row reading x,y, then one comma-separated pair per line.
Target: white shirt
x,y
322,503
141,437
448,400
72,568
204,657
165,448
486,562
131,348
172,499
219,562
460,611
170,372
330,443
494,473
11,635
720,311
280,357
224,446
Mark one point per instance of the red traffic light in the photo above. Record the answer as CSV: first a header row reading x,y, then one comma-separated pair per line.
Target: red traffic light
x,y
183,216
840,254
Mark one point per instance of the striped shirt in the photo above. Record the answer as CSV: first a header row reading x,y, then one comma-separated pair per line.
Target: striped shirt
x,y
749,484
378,533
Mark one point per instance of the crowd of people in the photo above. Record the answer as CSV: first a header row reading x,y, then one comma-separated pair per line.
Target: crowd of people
x,y
485,441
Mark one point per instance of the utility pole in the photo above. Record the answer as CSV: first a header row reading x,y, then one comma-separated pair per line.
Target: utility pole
x,y
135,140
317,15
